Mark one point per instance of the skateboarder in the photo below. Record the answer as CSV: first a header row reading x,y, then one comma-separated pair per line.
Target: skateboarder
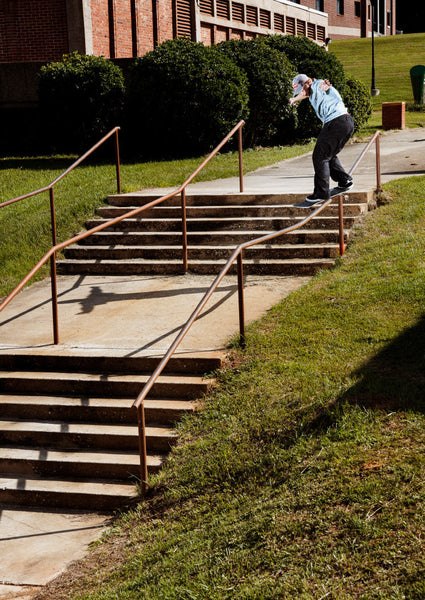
x,y
338,127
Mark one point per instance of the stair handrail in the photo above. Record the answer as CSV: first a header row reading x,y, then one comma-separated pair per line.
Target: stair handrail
x,y
138,404
51,254
75,164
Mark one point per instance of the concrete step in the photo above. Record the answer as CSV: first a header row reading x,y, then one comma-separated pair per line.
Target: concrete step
x,y
139,266
98,495
236,211
94,384
242,198
225,223
82,409
70,435
200,363
196,253
214,238
42,461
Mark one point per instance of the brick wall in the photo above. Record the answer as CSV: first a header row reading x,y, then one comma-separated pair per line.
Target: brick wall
x,y
165,20
145,34
123,29
100,27
32,30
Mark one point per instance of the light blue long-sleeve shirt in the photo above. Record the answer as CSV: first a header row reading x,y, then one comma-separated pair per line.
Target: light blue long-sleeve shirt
x,y
327,105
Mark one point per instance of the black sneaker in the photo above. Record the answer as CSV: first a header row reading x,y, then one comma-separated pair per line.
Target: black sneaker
x,y
344,187
311,201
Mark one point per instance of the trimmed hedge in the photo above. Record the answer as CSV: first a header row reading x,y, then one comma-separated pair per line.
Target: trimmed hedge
x,y
358,101
81,98
270,76
183,98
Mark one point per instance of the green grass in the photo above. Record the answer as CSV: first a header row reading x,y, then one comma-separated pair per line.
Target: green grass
x,y
303,476
25,227
394,57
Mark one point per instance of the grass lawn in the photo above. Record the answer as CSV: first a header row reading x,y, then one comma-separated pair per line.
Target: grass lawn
x,y
394,57
303,476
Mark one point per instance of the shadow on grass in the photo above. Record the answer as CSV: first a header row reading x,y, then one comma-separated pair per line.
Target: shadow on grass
x,y
393,380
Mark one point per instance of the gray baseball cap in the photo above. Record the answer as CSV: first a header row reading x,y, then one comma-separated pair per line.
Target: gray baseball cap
x,y
298,83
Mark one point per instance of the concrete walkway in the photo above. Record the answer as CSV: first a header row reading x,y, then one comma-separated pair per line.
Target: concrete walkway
x,y
130,316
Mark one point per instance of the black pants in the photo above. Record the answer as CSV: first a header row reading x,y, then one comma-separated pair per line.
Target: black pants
x,y
331,141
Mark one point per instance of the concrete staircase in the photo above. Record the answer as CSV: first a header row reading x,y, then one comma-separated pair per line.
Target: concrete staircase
x,y
68,433
151,242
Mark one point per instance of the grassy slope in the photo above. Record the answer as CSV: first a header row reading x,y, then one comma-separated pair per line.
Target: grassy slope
x,y
394,57
304,475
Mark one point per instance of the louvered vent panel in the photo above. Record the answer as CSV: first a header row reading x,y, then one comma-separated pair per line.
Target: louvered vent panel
x,y
223,9
279,22
300,27
290,25
252,15
311,31
265,18
321,33
206,7
237,12
184,19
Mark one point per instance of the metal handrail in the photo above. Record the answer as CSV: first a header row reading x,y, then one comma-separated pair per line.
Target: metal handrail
x,y
56,247
236,255
72,167
50,188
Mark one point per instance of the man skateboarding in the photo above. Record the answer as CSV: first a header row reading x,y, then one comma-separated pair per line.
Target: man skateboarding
x,y
338,127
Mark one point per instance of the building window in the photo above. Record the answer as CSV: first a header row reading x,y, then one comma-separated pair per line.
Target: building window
x,y
279,22
357,9
223,9
319,5
265,18
296,1
388,18
339,7
238,12
251,15
290,25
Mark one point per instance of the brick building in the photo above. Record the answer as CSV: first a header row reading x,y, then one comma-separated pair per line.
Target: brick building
x,y
44,30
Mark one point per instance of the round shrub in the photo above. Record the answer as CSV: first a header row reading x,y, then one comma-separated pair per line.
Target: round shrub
x,y
184,98
309,58
81,98
269,76
358,101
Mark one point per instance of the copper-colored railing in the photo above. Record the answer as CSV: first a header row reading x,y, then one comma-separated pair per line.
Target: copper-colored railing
x,y
237,255
51,254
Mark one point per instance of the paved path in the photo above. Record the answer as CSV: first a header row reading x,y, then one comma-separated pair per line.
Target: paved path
x,y
141,315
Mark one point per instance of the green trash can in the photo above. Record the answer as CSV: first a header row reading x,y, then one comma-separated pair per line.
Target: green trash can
x,y
417,76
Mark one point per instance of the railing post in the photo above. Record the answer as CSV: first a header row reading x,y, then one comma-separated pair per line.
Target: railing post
x,y
241,301
142,449
240,159
53,282
378,162
341,225
117,162
184,229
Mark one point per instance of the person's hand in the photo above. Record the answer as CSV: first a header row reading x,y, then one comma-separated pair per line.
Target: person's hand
x,y
325,85
292,101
